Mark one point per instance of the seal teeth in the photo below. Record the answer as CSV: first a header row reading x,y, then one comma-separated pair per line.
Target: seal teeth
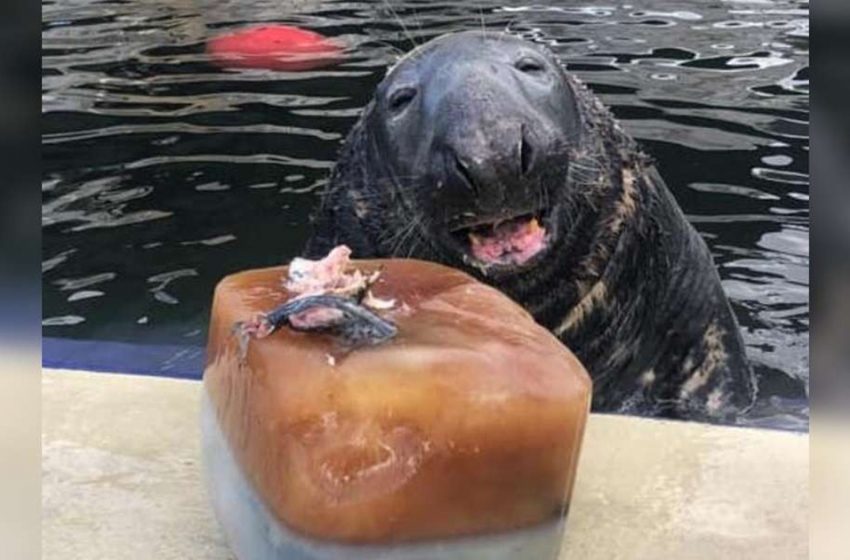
x,y
512,241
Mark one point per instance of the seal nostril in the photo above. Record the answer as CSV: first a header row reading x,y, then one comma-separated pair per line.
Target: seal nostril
x,y
526,155
465,175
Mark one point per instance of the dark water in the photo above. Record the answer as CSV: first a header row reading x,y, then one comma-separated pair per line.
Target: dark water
x,y
163,173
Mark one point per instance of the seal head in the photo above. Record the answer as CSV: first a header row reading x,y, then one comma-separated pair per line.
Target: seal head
x,y
474,132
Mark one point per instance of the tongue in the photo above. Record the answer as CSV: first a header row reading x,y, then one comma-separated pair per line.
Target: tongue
x,y
513,242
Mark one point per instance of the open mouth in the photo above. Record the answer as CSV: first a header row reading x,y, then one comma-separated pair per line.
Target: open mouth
x,y
507,242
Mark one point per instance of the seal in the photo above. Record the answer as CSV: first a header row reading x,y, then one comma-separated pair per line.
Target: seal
x,y
481,152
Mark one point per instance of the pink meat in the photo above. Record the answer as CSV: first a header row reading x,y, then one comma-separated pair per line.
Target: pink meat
x,y
328,276
309,278
316,317
325,276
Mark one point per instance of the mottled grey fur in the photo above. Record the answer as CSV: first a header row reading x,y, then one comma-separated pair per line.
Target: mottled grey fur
x,y
630,287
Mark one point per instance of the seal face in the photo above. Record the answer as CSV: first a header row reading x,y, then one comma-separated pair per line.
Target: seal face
x,y
481,152
475,134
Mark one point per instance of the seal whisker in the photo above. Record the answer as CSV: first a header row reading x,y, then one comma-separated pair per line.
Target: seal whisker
x,y
412,232
417,18
508,30
397,239
413,246
400,22
483,27
390,187
389,45
417,239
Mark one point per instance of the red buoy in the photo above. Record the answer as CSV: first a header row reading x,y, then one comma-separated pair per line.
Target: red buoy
x,y
276,47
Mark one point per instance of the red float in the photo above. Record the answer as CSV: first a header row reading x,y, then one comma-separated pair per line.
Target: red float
x,y
275,47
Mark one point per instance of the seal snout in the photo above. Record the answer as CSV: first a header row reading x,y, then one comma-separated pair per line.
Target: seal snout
x,y
507,157
491,166
492,191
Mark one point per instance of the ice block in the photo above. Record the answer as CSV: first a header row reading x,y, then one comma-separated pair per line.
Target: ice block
x,y
461,432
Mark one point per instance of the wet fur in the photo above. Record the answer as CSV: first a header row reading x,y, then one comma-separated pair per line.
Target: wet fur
x,y
631,288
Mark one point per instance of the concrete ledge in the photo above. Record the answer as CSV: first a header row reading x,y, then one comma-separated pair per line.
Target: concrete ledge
x,y
122,480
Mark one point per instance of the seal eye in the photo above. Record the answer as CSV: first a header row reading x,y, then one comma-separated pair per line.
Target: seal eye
x,y
401,98
529,65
